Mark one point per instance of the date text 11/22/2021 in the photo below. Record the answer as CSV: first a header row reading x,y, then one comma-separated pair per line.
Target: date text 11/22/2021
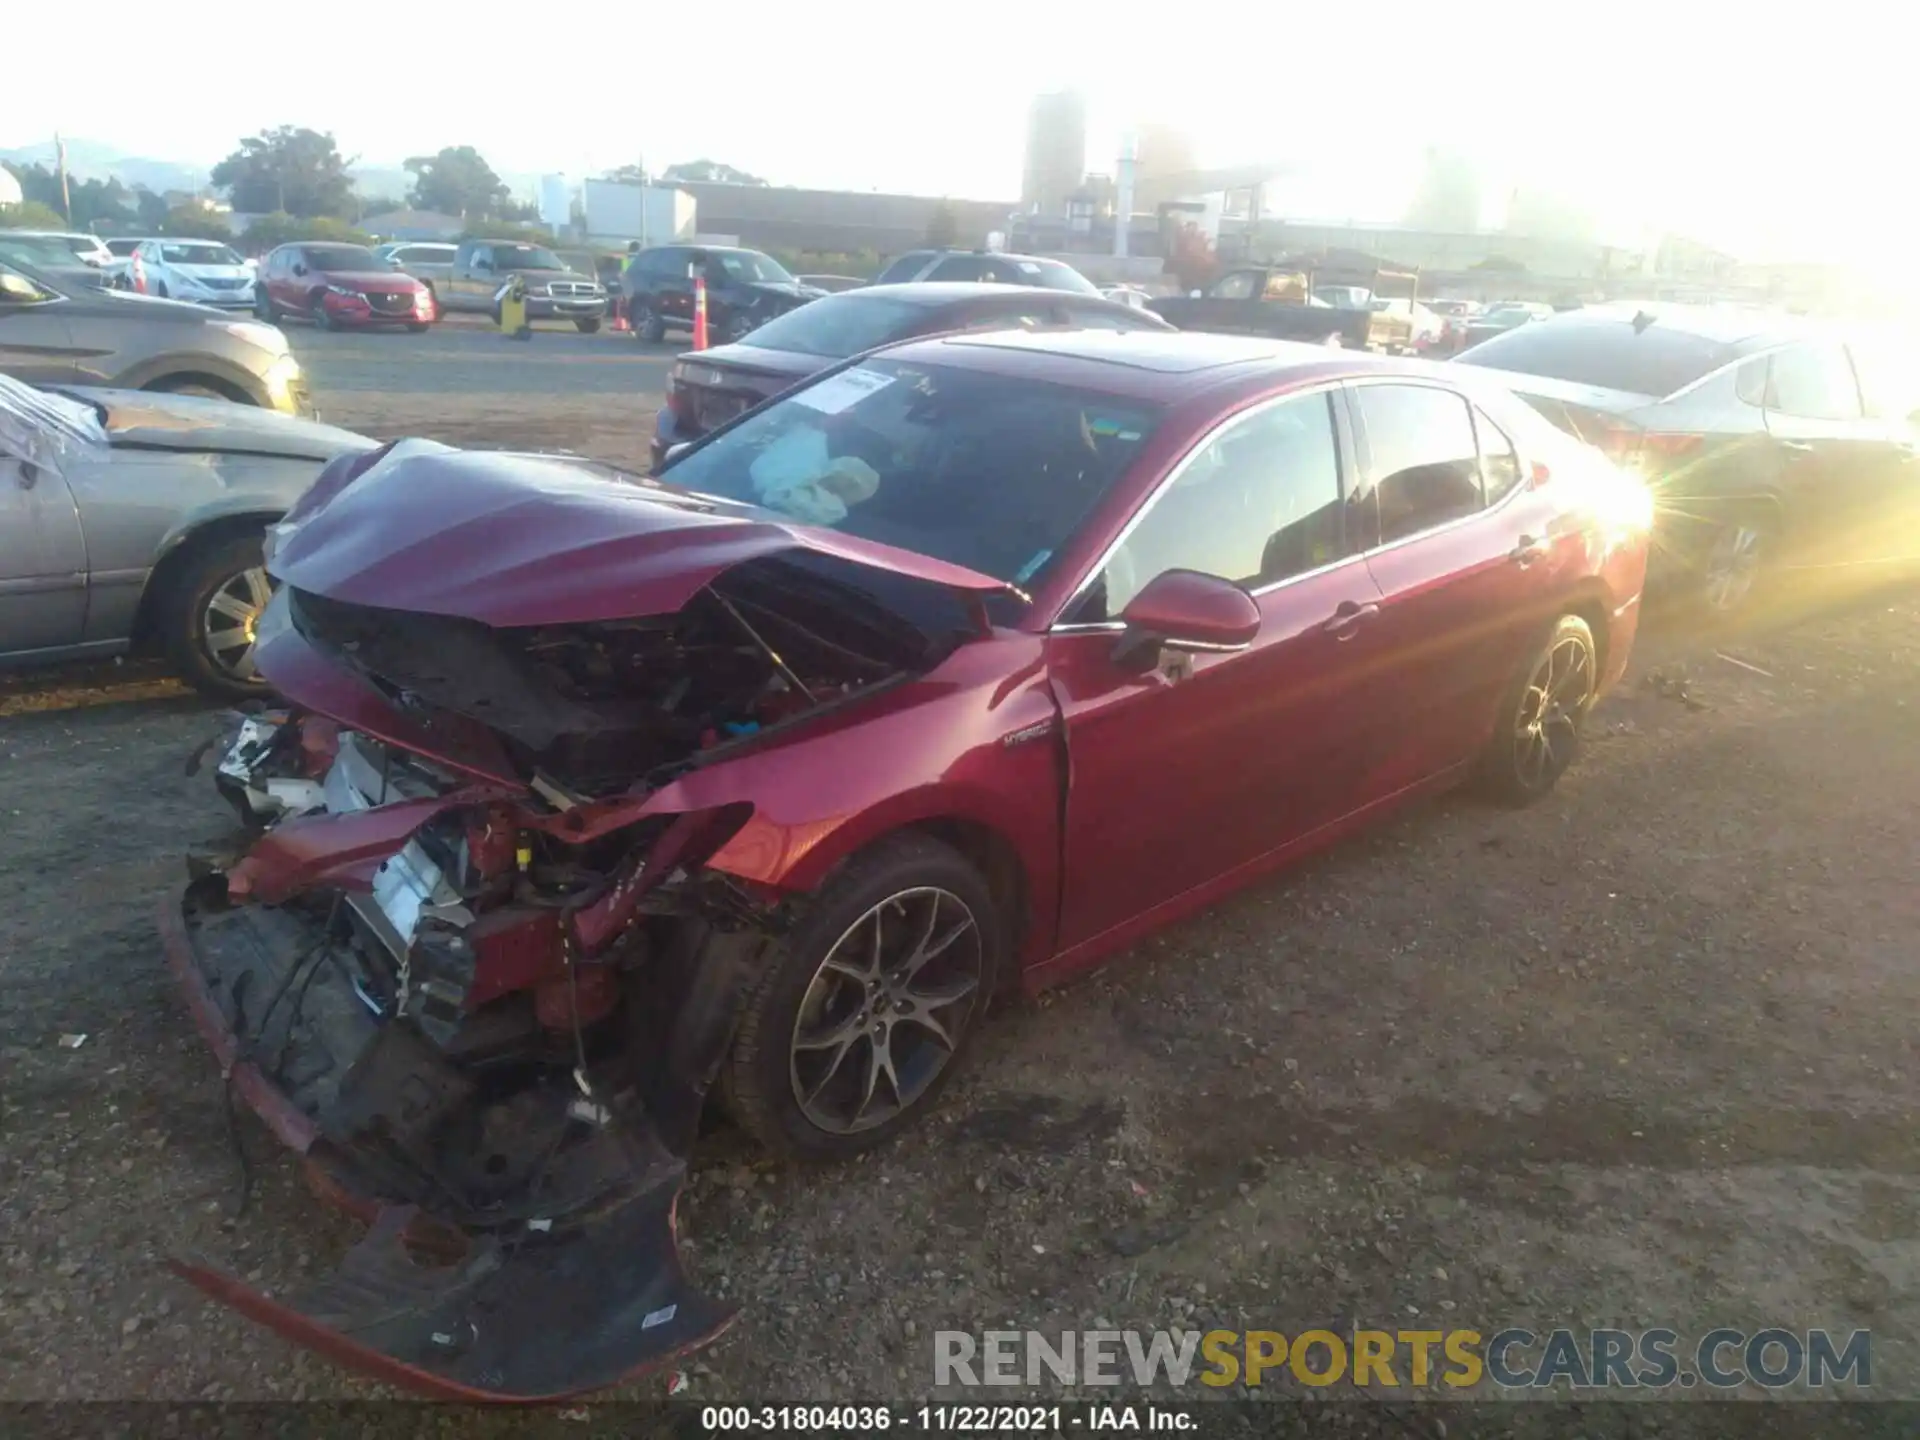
x,y
944,1419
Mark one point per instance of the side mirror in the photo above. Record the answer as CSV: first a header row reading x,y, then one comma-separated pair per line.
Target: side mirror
x,y
1185,610
17,289
674,452
299,269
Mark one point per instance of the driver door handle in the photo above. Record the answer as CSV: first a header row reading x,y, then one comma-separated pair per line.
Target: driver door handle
x,y
1527,551
1346,618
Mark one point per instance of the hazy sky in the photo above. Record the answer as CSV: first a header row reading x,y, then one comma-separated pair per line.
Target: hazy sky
x,y
1771,132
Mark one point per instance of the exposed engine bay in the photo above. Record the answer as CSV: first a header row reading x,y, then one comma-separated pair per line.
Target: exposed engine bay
x,y
465,953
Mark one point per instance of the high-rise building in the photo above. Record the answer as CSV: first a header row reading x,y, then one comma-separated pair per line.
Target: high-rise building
x,y
1056,158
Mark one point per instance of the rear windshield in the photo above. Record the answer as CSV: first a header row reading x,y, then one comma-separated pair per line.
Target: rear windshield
x,y
837,326
988,471
342,259
1604,354
905,268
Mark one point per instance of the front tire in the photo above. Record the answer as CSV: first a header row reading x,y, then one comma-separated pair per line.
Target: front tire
x,y
1538,733
867,1004
264,308
418,327
209,613
649,326
586,326
322,320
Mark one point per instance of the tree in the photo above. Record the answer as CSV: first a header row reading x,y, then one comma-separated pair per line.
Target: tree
x,y
1190,257
456,182
196,221
149,209
943,227
30,215
711,171
629,175
94,201
288,171
267,231
376,205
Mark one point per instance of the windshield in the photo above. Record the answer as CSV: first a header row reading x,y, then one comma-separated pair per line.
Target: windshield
x,y
1056,276
837,326
342,259
1609,354
750,266
525,257
35,249
975,469
198,255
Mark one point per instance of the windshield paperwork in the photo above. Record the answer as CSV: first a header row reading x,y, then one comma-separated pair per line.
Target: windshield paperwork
x,y
975,469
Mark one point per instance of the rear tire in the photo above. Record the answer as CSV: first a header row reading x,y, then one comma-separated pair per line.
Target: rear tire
x,y
1537,734
418,327
206,616
1734,569
765,1070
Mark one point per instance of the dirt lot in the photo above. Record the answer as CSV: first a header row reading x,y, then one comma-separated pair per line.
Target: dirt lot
x,y
1641,1056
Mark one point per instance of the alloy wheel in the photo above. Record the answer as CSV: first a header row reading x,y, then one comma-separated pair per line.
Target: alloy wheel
x,y
886,1010
1551,706
231,620
1732,568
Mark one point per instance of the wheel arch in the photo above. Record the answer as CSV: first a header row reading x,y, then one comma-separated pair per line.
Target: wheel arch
x,y
176,554
194,367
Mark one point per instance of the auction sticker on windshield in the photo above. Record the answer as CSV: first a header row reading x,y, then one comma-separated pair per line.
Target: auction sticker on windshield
x,y
839,392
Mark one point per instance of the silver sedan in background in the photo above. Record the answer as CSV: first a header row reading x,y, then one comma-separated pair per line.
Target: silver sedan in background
x,y
133,521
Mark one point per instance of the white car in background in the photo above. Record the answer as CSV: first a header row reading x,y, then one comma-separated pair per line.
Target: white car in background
x,y
87,249
203,271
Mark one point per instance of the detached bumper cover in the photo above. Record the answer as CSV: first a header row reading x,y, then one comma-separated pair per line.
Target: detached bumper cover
x,y
537,1306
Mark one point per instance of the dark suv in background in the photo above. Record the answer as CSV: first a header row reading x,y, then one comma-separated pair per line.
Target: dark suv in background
x,y
745,289
992,267
1772,444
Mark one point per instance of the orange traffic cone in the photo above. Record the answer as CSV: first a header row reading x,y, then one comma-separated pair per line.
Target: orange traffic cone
x,y
620,326
138,274
699,313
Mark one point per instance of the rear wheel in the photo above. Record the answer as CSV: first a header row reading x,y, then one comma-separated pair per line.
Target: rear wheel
x,y
418,327
202,388
210,612
867,1004
1538,732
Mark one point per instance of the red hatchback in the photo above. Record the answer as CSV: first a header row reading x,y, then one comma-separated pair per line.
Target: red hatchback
x,y
339,286
946,674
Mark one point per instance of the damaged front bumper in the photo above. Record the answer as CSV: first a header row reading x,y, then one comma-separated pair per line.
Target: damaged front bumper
x,y
520,1172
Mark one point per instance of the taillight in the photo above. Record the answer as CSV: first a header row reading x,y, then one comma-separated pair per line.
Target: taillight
x,y
1619,443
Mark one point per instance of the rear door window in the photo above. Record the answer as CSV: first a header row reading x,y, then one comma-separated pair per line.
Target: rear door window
x,y
1420,455
1499,461
960,267
1237,286
1813,382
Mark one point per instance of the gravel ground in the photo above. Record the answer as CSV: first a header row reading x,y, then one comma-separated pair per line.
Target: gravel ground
x,y
1640,1056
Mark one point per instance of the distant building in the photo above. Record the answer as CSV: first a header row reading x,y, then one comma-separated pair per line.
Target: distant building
x,y
776,217
413,225
10,188
1056,159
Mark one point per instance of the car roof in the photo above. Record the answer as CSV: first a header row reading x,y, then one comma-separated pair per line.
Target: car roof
x,y
1739,327
1161,365
947,292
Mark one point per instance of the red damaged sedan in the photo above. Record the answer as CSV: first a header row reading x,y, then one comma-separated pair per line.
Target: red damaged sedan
x,y
943,676
339,286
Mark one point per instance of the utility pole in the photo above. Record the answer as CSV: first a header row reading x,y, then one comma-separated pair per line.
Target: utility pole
x,y
66,201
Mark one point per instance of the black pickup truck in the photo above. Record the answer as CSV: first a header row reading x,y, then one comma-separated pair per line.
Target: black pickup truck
x,y
1279,303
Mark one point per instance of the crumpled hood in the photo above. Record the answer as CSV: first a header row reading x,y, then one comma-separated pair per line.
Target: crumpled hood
x,y
151,420
511,540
